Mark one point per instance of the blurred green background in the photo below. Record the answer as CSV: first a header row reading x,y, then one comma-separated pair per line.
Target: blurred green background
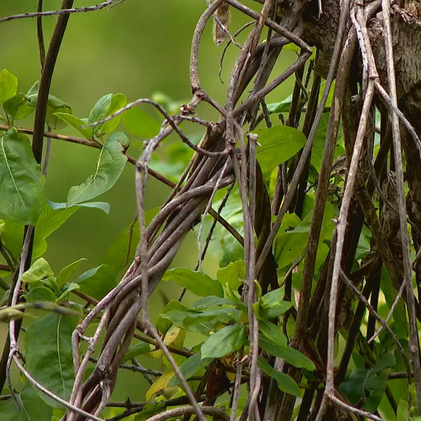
x,y
139,48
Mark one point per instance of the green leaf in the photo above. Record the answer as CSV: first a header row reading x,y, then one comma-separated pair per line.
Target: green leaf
x,y
40,269
196,282
39,294
78,123
291,245
140,123
110,165
402,414
272,332
49,221
97,282
211,301
65,274
33,408
138,348
290,355
278,144
223,342
285,383
118,101
8,85
272,304
17,107
222,315
163,323
67,290
280,107
190,368
105,107
21,181
49,354
104,206
232,275
273,298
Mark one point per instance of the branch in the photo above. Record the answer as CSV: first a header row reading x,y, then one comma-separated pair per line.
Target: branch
x,y
66,11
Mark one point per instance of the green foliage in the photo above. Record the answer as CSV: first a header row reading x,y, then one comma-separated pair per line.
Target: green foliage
x,y
21,181
110,165
278,144
31,407
49,354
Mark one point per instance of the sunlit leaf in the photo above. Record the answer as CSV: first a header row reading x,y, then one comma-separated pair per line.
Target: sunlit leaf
x,y
8,85
39,269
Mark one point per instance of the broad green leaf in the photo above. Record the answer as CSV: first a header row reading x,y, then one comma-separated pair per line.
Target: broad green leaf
x,y
97,282
39,294
17,107
65,274
40,269
21,181
78,123
196,282
140,123
290,355
159,384
8,85
278,144
110,165
285,383
272,332
49,354
33,408
225,341
191,367
138,348
280,107
232,275
211,301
